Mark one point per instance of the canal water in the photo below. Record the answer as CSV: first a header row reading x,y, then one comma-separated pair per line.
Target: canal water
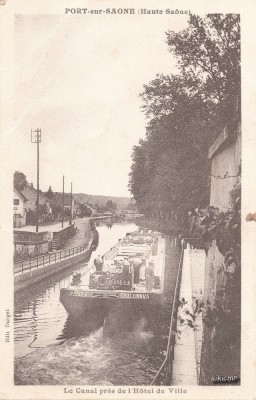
x,y
52,349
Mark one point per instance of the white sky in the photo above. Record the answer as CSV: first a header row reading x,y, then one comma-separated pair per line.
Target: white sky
x,y
78,79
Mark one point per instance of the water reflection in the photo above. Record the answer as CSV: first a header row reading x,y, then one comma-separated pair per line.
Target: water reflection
x,y
75,328
109,224
41,289
118,322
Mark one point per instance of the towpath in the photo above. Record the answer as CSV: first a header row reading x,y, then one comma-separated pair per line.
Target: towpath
x,y
82,236
54,227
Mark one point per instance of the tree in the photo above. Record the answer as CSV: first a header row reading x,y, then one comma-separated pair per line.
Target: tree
x,y
208,55
56,209
85,210
185,112
43,211
19,180
111,205
49,194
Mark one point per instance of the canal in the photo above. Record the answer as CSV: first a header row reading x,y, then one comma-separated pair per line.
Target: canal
x,y
52,349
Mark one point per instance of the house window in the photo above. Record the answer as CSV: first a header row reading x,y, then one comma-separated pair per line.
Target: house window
x,y
16,202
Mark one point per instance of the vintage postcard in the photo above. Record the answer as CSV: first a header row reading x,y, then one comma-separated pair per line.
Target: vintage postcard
x,y
128,202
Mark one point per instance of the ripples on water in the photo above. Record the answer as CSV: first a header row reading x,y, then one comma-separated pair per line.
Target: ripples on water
x,y
53,349
97,359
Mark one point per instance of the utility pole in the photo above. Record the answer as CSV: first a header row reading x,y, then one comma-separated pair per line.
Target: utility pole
x,y
36,138
71,207
63,203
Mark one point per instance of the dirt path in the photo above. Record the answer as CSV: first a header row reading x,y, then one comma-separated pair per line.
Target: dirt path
x,y
82,236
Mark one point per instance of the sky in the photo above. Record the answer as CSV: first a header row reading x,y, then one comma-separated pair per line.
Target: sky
x,y
78,78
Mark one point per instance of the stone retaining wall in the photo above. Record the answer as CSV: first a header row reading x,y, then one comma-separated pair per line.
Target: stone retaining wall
x,y
60,237
22,281
29,244
221,336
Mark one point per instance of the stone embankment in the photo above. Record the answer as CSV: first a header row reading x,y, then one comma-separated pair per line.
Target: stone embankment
x,y
27,273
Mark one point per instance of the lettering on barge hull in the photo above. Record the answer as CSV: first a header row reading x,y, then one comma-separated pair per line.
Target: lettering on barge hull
x,y
134,295
121,295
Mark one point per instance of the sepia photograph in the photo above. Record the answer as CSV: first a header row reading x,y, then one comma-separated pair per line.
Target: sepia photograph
x,y
125,202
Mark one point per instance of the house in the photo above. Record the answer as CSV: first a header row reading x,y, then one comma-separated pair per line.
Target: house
x,y
225,156
19,209
45,211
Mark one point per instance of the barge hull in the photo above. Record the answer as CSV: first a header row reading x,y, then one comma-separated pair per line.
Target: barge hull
x,y
88,306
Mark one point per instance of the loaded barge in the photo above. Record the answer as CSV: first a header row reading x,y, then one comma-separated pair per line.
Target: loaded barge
x,y
130,276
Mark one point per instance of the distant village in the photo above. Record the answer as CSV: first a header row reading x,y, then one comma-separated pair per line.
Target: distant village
x,y
51,204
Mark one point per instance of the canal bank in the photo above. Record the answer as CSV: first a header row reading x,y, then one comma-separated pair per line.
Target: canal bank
x,y
29,272
36,273
172,227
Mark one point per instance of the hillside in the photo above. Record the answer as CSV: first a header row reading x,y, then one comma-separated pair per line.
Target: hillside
x,y
122,202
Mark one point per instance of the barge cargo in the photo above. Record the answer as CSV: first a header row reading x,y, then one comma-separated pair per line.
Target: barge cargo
x,y
129,277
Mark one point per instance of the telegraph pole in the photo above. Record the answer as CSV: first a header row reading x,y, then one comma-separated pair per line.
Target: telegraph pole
x,y
63,202
36,138
71,207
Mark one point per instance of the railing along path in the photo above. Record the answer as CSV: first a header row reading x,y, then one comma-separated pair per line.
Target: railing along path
x,y
50,258
164,374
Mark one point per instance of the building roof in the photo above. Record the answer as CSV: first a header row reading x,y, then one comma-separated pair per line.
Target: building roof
x,y
31,194
20,194
218,143
230,132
